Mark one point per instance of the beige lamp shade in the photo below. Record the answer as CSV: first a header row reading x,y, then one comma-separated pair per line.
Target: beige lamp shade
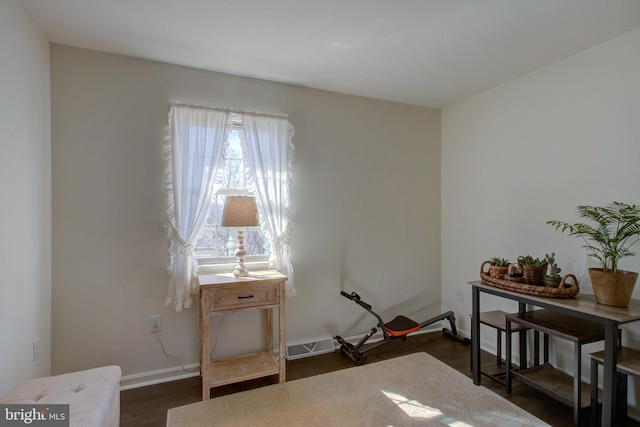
x,y
239,211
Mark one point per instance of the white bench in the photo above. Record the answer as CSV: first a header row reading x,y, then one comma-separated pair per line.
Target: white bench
x,y
93,395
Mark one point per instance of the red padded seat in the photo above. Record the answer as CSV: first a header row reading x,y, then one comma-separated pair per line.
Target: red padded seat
x,y
401,326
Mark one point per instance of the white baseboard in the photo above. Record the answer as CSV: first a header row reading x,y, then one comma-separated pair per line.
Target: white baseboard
x,y
193,370
157,377
308,348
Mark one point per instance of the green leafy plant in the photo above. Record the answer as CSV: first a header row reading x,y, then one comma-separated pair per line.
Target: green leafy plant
x,y
616,228
554,270
529,260
499,262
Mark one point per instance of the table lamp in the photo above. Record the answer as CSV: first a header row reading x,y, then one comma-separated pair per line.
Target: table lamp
x,y
240,211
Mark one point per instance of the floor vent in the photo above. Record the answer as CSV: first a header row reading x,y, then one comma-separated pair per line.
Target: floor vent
x,y
298,351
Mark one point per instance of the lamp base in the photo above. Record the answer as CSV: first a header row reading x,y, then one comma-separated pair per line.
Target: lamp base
x,y
240,270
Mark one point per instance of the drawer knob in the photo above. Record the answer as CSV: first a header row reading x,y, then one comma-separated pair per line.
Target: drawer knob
x,y
245,297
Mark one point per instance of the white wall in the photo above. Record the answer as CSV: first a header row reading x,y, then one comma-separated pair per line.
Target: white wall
x,y
25,159
366,201
531,150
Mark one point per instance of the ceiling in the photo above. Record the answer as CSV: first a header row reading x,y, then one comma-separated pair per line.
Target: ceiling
x,y
422,52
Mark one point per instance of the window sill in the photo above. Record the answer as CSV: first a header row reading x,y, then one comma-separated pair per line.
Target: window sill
x,y
207,267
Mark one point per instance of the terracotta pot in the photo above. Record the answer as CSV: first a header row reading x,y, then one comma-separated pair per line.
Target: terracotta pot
x,y
613,289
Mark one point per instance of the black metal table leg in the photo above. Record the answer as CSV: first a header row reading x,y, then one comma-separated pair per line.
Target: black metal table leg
x,y
594,392
609,374
508,358
475,335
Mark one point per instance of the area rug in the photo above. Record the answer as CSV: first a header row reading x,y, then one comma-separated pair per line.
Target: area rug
x,y
412,390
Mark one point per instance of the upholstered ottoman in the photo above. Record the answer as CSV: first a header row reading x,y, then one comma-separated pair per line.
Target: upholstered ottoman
x,y
93,395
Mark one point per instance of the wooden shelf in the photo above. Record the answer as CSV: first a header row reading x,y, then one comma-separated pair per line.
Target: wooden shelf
x,y
628,360
555,383
242,368
571,328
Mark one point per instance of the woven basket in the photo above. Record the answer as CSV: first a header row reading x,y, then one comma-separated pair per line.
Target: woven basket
x,y
514,279
534,275
495,271
509,277
564,290
551,281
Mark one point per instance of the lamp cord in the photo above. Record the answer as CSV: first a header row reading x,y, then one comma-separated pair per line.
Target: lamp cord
x,y
157,334
215,344
164,351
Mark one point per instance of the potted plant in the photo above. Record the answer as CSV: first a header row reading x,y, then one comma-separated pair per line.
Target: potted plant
x,y
498,267
552,279
615,229
514,273
533,269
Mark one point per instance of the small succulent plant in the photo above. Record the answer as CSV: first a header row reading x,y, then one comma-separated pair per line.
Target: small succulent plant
x,y
554,270
529,260
499,262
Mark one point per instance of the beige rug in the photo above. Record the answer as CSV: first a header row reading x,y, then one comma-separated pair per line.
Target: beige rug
x,y
413,390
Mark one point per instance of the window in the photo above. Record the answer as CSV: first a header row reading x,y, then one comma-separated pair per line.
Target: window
x,y
205,163
218,244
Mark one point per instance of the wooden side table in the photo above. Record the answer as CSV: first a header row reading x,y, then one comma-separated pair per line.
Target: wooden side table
x,y
224,293
581,306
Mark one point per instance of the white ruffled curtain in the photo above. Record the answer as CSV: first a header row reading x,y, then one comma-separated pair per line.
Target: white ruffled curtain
x,y
193,152
269,153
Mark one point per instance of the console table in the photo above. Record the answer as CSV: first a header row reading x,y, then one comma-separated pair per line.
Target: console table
x,y
582,306
224,293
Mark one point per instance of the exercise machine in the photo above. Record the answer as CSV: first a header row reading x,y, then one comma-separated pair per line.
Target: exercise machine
x,y
397,329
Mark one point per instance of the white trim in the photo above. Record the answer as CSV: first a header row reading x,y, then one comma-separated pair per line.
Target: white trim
x,y
233,192
178,373
311,348
157,377
228,267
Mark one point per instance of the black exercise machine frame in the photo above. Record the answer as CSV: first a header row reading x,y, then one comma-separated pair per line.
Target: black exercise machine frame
x,y
355,352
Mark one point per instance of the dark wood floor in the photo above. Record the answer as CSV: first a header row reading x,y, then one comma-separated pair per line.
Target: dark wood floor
x,y
147,406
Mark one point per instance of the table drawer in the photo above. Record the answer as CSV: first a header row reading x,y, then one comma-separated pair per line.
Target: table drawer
x,y
235,297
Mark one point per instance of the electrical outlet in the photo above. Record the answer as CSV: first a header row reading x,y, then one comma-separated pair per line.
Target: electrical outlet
x,y
155,323
460,295
36,349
